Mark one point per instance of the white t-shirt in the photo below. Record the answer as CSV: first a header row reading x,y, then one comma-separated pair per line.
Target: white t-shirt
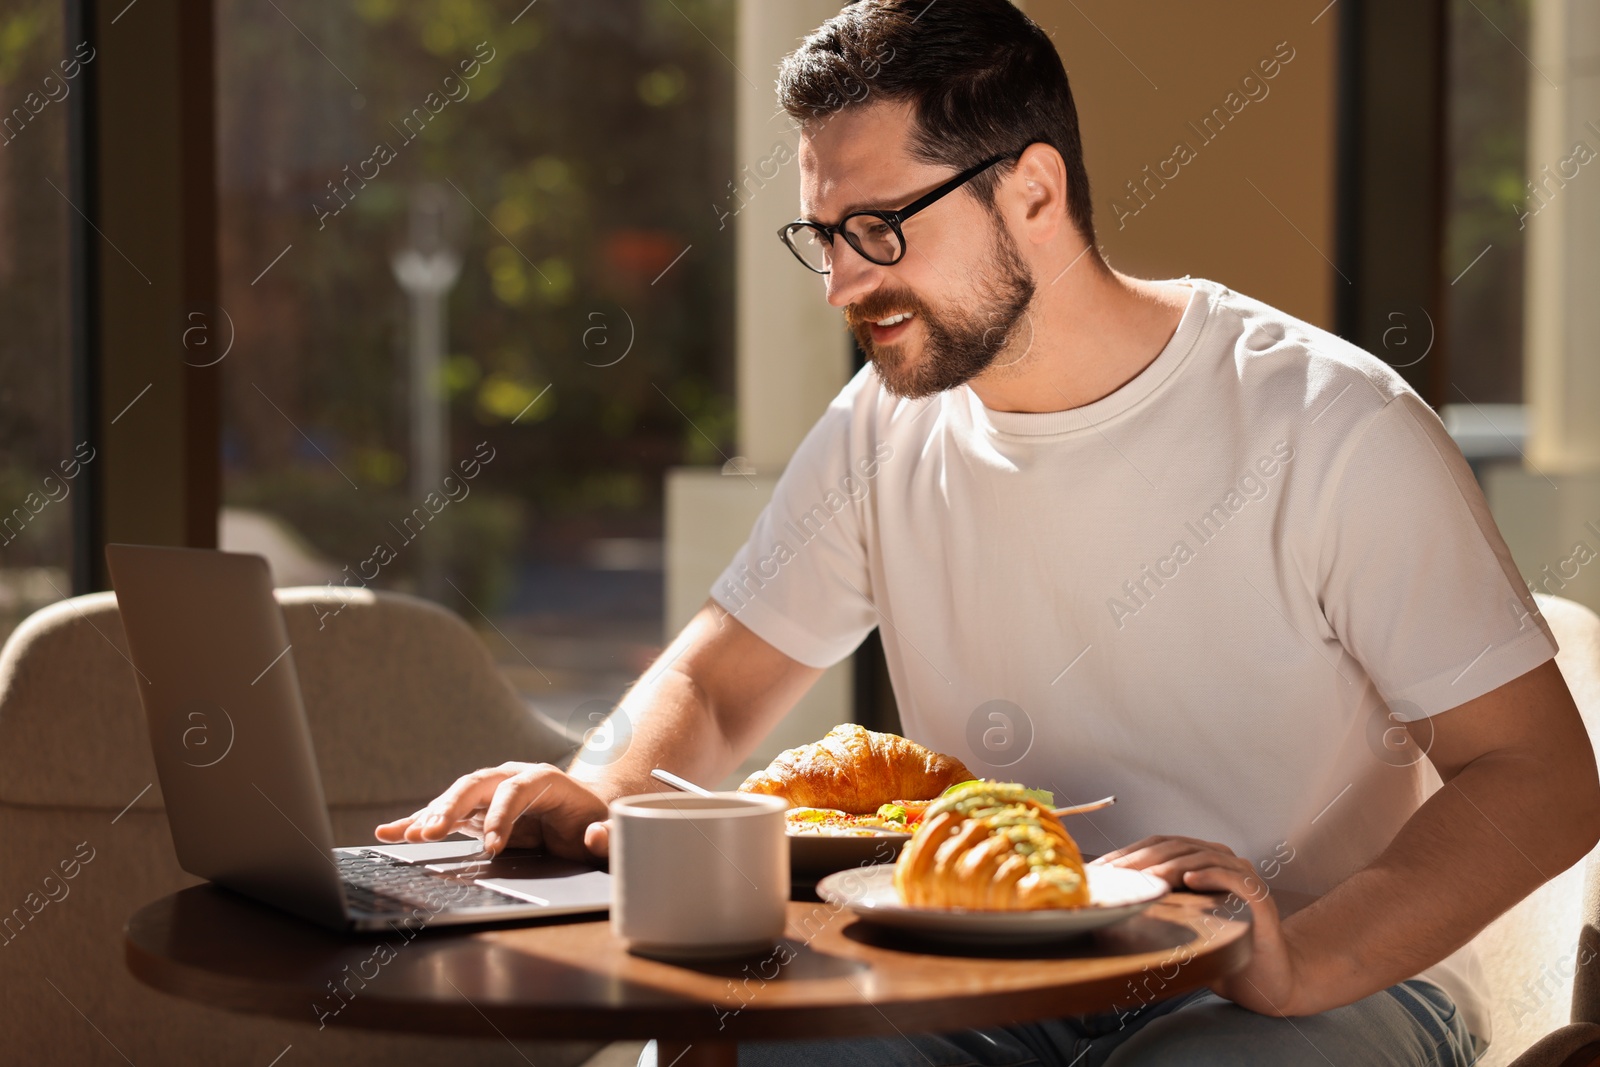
x,y
1215,592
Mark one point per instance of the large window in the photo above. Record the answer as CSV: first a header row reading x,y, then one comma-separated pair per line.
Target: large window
x,y
1487,193
41,466
478,302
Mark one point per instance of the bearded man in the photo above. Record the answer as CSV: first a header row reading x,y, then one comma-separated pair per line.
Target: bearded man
x,y
1211,557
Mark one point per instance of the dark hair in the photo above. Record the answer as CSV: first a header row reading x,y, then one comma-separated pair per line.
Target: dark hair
x,y
983,79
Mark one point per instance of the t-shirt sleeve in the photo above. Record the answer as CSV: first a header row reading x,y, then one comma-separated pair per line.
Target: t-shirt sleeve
x,y
801,581
1414,576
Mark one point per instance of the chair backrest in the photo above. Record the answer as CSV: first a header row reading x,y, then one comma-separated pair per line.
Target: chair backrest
x,y
1531,954
402,698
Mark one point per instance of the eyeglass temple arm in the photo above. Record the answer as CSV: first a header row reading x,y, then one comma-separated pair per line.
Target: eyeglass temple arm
x,y
960,179
910,209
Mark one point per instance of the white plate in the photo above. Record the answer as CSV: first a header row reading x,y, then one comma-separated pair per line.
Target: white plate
x,y
1115,894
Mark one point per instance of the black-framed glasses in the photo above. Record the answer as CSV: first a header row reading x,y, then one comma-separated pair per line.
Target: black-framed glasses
x,y
874,234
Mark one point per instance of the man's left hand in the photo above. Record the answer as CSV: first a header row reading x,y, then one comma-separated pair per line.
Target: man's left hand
x,y
1270,982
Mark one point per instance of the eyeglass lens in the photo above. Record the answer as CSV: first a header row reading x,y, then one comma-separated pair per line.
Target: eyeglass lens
x,y
871,236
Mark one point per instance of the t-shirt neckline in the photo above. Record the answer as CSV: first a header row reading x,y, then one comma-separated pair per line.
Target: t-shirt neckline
x,y
1086,418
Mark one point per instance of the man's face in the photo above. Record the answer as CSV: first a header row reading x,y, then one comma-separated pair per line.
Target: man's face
x,y
962,280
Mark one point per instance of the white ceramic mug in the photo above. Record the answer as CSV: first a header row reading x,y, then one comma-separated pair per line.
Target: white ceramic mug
x,y
698,877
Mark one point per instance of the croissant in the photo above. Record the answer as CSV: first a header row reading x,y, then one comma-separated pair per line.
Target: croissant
x,y
990,847
856,770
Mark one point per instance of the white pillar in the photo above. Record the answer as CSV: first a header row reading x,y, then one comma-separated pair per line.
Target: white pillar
x,y
1562,339
1549,509
792,351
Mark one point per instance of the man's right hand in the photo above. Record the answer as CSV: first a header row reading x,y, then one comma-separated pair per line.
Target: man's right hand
x,y
525,805
709,698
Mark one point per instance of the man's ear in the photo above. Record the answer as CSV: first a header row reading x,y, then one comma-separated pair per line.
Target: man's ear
x,y
1039,184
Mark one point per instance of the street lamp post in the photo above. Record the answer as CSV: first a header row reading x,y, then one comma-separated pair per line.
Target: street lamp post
x,y
427,269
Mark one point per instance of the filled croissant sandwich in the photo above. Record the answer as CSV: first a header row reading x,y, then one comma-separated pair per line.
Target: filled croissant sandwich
x,y
857,780
989,846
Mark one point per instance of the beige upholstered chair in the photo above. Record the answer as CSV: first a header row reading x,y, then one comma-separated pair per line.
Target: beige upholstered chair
x,y
402,698
1545,998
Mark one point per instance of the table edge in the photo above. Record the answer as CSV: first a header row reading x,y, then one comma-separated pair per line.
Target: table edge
x,y
1229,949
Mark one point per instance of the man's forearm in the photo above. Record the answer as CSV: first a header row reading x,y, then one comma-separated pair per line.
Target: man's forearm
x,y
665,720
1499,829
704,704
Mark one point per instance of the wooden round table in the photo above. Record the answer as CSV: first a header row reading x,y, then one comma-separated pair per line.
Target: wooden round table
x,y
832,976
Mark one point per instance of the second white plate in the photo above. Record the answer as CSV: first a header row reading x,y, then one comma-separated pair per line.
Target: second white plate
x,y
1115,894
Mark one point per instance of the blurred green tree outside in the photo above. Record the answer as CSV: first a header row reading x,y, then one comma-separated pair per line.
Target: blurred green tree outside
x,y
590,329
35,360
1487,175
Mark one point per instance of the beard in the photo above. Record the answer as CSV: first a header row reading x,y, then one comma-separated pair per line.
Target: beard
x,y
960,343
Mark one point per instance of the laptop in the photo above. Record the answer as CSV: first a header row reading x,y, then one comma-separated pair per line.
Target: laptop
x,y
215,673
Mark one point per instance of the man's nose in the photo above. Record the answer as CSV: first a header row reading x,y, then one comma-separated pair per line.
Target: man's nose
x,y
852,276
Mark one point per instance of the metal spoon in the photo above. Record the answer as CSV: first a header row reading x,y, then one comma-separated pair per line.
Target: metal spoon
x,y
681,783
1079,809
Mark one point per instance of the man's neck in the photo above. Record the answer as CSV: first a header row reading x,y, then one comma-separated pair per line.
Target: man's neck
x,y
1086,335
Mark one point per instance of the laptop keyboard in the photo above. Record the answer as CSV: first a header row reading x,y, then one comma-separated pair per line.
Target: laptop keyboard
x,y
376,883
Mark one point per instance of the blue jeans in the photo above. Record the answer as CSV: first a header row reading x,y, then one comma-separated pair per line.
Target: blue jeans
x,y
1413,1024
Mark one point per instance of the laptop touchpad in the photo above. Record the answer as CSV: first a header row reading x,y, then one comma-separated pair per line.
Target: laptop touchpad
x,y
549,880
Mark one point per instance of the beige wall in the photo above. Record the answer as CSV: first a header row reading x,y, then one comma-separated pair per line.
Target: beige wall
x,y
1141,72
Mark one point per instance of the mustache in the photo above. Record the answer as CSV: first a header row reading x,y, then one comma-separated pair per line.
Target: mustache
x,y
880,305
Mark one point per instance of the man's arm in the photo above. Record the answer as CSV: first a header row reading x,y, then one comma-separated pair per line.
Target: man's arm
x,y
1520,804
707,700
